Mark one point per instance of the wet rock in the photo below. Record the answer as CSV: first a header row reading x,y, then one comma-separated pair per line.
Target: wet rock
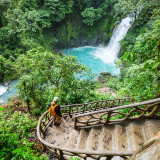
x,y
107,90
82,40
105,73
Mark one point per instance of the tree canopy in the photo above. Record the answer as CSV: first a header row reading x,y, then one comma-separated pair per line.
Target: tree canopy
x,y
44,75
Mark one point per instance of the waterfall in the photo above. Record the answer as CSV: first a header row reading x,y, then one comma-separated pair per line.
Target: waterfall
x,y
3,89
109,54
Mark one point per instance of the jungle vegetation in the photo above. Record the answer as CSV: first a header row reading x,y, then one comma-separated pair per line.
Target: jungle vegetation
x,y
30,33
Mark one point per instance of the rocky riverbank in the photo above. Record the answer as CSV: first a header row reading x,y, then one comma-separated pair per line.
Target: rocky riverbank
x,y
104,77
83,40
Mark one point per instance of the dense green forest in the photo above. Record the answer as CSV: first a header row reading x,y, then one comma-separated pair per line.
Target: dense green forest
x,y
32,32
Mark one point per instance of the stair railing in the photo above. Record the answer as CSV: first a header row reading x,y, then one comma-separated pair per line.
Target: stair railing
x,y
147,109
64,153
75,109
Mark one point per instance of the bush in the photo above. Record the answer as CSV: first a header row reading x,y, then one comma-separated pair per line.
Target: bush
x,y
14,130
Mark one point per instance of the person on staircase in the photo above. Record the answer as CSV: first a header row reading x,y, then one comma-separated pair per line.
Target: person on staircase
x,y
55,112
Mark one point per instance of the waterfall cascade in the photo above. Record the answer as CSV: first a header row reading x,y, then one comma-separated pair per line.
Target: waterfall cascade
x,y
109,54
3,89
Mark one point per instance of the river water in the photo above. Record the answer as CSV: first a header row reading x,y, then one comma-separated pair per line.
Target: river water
x,y
97,58
8,92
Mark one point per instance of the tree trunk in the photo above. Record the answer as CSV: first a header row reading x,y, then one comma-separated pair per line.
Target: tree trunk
x,y
28,107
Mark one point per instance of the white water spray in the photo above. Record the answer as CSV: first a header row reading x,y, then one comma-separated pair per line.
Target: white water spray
x,y
109,54
3,89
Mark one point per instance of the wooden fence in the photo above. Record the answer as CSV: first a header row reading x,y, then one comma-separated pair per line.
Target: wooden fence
x,y
147,109
74,109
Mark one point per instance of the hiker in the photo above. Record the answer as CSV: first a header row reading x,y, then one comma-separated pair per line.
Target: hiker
x,y
54,110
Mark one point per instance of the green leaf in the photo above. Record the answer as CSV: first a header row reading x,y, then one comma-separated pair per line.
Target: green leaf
x,y
155,65
2,109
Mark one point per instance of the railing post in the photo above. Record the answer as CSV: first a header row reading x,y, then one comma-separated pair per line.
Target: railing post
x,y
105,105
112,104
83,108
96,106
69,111
75,121
43,148
107,119
61,155
119,102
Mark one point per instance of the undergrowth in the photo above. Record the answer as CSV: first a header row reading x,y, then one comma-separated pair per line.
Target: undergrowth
x,y
15,131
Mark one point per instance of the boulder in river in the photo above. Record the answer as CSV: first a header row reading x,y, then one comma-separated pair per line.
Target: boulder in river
x,y
105,73
104,77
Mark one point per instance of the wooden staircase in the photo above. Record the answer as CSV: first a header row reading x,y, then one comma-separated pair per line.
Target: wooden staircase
x,y
119,137
102,130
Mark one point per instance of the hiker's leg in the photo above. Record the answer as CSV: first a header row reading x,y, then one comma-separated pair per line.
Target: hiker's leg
x,y
58,120
54,119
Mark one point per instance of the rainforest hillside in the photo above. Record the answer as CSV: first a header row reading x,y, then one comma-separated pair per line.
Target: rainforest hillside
x,y
31,30
32,33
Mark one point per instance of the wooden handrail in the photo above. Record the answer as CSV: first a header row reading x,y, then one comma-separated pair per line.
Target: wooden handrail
x,y
72,105
92,106
120,107
151,107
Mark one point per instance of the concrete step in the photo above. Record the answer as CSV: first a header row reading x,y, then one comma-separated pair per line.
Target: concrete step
x,y
119,137
82,138
150,128
70,121
92,142
72,140
138,135
106,138
153,126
